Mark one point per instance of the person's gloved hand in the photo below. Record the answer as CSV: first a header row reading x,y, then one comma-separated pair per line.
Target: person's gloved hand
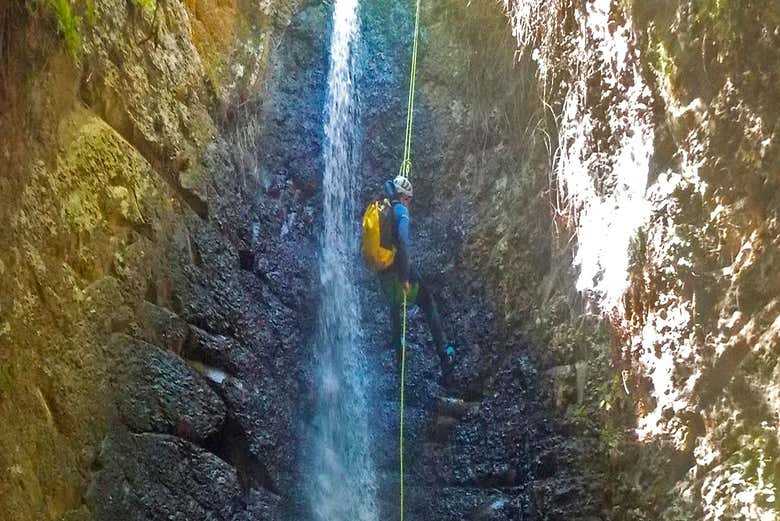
x,y
406,287
449,352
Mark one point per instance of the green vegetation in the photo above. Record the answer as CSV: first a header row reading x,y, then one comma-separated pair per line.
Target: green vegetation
x,y
580,413
661,60
611,438
754,461
91,14
722,16
70,16
6,379
145,4
69,25
611,393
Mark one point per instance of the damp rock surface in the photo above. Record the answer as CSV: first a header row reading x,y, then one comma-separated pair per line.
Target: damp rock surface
x,y
160,206
158,391
155,476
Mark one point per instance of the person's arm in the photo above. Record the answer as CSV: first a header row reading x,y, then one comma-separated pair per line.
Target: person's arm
x,y
403,249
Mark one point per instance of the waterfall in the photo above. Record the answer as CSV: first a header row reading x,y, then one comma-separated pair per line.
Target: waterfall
x,y
343,484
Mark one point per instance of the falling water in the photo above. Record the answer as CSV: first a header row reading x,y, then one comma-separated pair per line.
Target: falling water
x,y
343,479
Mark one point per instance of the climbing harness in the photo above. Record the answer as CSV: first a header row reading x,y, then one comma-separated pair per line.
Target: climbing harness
x,y
406,171
403,375
406,164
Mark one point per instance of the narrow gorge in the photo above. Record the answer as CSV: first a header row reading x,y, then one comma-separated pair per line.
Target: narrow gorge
x,y
188,332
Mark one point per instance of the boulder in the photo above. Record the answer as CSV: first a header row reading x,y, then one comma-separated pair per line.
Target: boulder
x,y
157,391
156,476
162,327
219,351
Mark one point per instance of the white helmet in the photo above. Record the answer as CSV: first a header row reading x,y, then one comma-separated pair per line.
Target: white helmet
x,y
402,186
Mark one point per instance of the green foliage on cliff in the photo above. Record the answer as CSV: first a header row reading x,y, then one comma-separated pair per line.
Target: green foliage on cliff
x,y
611,393
69,16
145,4
721,15
6,379
90,12
661,60
69,25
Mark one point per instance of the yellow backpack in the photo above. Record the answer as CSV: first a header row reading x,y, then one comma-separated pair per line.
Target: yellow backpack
x,y
379,214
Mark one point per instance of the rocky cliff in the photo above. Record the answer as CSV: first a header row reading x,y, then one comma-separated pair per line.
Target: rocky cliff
x,y
673,376
160,207
151,334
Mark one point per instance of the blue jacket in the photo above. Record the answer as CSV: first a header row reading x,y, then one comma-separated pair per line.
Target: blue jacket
x,y
403,245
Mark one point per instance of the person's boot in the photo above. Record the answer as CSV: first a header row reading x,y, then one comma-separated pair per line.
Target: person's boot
x,y
447,365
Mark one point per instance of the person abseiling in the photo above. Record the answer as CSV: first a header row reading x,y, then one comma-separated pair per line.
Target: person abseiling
x,y
386,249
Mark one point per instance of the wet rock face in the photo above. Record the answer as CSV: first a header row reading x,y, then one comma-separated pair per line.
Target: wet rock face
x,y
155,294
152,476
720,116
184,282
157,278
162,327
492,450
157,391
687,363
235,314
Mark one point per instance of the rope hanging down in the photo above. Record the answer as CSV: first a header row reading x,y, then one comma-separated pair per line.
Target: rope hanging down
x,y
403,376
406,170
406,164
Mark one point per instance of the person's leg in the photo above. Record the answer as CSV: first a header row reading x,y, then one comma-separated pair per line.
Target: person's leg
x,y
428,305
390,288
445,350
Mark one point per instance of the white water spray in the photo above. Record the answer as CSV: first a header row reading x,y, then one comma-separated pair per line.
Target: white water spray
x,y
343,486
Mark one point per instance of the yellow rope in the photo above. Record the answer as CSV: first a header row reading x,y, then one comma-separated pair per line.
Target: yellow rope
x,y
406,170
403,376
406,164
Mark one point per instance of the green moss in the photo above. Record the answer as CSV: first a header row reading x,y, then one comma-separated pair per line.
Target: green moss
x,y
145,4
91,14
7,378
661,60
69,15
69,25
213,64
721,15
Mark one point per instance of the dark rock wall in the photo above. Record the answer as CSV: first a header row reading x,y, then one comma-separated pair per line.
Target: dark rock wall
x,y
679,385
619,440
487,448
155,302
158,289
160,207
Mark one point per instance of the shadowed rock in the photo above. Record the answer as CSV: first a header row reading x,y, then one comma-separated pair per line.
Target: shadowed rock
x,y
261,505
158,392
219,351
494,510
162,327
154,476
